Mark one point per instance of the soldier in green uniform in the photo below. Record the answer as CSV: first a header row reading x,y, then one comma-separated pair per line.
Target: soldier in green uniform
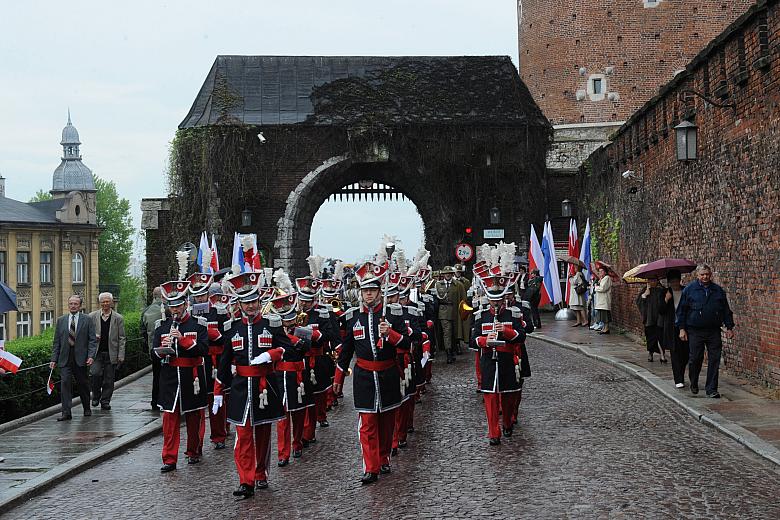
x,y
449,293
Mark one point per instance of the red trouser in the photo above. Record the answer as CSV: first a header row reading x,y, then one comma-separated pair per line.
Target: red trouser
x,y
315,414
283,433
507,404
428,371
217,422
331,397
171,435
376,439
252,452
402,421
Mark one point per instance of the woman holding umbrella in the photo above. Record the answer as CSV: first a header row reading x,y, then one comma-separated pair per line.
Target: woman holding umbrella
x,y
650,302
578,287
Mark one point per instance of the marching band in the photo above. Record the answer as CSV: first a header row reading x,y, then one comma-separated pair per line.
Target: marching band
x,y
254,348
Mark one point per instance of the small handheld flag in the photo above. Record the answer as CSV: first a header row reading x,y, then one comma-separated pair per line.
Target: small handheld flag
x,y
50,383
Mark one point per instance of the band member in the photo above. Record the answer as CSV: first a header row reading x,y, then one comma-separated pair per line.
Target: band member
x,y
372,336
253,344
429,308
294,377
330,299
499,334
200,284
180,341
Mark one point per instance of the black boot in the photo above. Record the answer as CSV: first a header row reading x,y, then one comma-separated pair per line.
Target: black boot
x,y
244,490
167,467
495,442
369,478
384,469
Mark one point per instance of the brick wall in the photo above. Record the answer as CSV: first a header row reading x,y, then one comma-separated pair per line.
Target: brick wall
x,y
724,208
644,46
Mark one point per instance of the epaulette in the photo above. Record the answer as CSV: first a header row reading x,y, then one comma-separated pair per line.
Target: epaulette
x,y
413,310
477,314
421,306
427,297
526,304
516,313
350,312
329,307
396,309
222,310
324,313
227,325
202,321
274,320
159,322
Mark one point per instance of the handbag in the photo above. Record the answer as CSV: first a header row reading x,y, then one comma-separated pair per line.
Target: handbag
x,y
581,287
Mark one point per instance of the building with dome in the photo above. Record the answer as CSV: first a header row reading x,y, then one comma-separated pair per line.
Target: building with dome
x,y
49,249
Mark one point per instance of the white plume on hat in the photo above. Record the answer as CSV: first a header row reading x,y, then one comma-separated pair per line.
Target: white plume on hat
x,y
381,256
207,257
483,253
315,265
283,282
507,255
268,276
247,242
400,261
182,258
495,256
338,270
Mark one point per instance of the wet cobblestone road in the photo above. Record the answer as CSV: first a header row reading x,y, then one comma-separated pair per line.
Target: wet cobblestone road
x,y
591,443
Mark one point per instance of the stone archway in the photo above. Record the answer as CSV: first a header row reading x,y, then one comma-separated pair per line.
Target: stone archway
x,y
294,227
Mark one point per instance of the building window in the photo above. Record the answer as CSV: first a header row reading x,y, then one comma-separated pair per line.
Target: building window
x,y
22,324
47,317
2,326
597,87
2,266
23,268
46,268
77,265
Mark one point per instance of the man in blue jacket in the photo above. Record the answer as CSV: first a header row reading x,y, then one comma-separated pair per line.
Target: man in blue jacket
x,y
703,308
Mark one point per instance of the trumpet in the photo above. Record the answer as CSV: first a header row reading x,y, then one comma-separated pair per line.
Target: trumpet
x,y
336,303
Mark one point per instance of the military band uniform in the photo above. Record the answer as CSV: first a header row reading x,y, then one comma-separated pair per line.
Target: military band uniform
x,y
182,385
255,391
321,367
502,367
298,395
215,322
376,381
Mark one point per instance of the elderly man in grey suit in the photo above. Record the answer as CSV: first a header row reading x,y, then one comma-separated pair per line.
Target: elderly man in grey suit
x,y
110,331
73,351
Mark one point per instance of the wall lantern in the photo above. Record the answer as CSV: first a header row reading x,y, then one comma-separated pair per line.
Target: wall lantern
x,y
495,215
686,137
246,217
566,208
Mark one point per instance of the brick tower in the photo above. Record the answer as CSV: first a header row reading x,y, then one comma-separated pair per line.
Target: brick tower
x,y
589,64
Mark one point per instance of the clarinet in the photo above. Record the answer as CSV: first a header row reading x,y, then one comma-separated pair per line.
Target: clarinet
x,y
495,330
175,327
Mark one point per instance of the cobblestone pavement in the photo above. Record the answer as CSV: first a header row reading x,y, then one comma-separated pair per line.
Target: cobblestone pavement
x,y
591,443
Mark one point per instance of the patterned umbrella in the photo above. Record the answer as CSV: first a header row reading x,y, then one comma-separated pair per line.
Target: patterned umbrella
x,y
630,275
659,268
598,264
7,299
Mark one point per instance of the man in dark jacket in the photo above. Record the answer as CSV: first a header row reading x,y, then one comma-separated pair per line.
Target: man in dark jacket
x,y
533,295
702,309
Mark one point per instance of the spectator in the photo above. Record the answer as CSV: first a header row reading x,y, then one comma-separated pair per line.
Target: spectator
x,y
110,331
649,302
577,301
533,295
602,301
149,318
671,334
703,308
73,351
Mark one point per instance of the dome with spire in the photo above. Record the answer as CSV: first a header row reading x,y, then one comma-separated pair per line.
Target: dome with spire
x,y
71,174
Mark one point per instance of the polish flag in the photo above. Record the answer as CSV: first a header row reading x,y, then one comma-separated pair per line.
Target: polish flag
x,y
536,260
574,250
214,255
50,383
9,362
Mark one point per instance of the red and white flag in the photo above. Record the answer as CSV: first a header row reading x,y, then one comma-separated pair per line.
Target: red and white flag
x,y
9,362
50,383
574,250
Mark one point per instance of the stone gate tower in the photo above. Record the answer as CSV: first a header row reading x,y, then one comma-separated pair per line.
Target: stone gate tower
x,y
589,64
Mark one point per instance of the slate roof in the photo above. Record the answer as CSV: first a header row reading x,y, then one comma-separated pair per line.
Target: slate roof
x,y
31,213
72,175
328,90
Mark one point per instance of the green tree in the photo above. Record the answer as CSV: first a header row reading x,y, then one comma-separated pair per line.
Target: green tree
x,y
41,195
113,215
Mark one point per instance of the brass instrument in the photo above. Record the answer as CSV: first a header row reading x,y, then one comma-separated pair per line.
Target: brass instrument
x,y
465,310
302,319
336,303
266,309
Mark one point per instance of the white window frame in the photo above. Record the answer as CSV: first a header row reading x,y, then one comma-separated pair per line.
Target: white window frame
x,y
47,319
45,269
23,320
23,269
651,3
2,326
589,89
77,268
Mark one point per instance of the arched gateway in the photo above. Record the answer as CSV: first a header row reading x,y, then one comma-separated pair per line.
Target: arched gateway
x,y
271,138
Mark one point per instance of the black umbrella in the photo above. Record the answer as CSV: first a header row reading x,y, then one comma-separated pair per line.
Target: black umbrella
x,y
7,299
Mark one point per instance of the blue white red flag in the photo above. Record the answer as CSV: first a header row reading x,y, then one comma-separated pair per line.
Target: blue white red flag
x,y
585,253
536,260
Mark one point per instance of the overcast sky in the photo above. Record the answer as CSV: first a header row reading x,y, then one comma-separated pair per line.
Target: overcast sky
x,y
130,71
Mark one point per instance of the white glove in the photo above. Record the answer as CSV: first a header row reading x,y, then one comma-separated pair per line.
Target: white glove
x,y
217,404
426,356
265,357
